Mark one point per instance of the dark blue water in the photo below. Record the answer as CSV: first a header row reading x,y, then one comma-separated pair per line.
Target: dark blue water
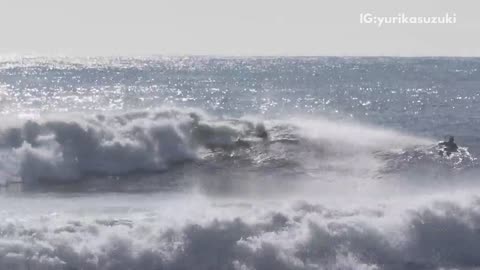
x,y
422,95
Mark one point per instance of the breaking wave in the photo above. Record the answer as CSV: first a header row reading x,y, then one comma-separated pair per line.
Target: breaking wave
x,y
72,148
68,149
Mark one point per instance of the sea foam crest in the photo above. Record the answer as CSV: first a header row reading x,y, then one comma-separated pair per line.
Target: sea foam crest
x,y
61,149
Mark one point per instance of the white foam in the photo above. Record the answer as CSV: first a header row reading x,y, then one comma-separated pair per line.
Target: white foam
x,y
70,147
185,232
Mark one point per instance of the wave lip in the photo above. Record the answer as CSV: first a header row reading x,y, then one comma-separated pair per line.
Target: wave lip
x,y
65,150
57,149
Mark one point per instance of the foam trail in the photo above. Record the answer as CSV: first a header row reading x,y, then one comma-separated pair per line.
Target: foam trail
x,y
185,232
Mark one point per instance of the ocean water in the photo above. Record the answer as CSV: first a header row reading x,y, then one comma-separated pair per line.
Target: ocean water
x,y
239,163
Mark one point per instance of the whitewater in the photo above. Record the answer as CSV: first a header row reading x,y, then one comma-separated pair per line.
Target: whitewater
x,y
238,163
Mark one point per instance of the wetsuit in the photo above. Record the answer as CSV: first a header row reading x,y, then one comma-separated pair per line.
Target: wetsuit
x,y
449,147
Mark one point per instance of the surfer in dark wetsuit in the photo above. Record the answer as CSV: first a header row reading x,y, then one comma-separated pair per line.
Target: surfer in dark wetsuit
x,y
260,132
448,147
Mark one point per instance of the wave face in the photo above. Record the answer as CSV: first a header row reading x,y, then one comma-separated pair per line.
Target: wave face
x,y
74,148
239,163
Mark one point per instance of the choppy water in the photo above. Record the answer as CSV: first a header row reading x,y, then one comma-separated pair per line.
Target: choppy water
x,y
163,163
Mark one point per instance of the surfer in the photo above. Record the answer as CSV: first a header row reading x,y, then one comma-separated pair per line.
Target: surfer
x,y
260,132
448,147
